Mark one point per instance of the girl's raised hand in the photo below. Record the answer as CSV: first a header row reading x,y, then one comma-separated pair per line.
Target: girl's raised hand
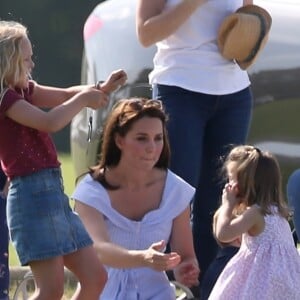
x,y
230,193
94,98
114,81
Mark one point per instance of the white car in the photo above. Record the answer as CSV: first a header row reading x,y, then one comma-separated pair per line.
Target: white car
x,y
110,43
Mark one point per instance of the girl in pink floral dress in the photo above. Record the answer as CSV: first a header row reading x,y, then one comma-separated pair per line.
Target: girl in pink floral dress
x,y
267,266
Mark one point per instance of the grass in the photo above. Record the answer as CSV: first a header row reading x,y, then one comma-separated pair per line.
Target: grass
x,y
278,121
69,183
67,172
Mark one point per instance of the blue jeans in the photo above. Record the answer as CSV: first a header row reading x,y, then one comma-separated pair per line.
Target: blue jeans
x,y
293,196
201,130
4,269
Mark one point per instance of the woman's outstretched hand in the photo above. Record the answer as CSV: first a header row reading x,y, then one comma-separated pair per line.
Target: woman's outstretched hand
x,y
158,260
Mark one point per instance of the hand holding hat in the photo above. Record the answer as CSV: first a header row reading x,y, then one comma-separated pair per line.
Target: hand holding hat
x,y
243,34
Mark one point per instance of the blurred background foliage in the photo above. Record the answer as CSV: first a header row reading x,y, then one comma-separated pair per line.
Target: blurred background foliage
x,y
55,30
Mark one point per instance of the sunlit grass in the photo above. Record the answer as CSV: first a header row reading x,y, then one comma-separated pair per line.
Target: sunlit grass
x,y
278,121
267,118
67,172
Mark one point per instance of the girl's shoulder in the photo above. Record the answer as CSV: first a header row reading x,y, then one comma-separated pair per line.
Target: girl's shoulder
x,y
9,96
255,208
254,213
24,93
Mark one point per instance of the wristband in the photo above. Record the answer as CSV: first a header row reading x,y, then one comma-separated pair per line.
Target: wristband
x,y
98,84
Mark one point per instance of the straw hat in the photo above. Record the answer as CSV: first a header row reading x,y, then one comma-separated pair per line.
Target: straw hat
x,y
243,34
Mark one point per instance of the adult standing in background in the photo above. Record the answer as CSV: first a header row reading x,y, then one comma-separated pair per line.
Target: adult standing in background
x,y
207,97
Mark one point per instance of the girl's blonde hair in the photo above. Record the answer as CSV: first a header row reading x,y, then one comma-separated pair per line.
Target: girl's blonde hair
x,y
258,178
11,60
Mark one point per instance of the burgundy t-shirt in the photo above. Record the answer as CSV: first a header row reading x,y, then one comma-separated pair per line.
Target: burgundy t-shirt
x,y
23,150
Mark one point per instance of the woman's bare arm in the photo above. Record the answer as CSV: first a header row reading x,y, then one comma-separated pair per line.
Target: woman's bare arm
x,y
181,242
116,256
154,24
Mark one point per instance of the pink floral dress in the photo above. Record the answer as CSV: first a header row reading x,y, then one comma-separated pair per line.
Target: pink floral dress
x,y
267,266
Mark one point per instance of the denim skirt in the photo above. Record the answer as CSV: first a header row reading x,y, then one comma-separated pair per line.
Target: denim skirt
x,y
41,222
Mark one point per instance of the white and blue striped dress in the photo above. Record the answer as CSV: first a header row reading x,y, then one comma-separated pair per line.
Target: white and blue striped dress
x,y
156,225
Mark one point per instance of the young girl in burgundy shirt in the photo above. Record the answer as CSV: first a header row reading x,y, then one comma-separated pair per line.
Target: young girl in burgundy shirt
x,y
46,233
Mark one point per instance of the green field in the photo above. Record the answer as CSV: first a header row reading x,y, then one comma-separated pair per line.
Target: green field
x,y
69,182
278,121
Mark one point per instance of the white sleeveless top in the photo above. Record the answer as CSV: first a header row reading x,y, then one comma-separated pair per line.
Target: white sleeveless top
x,y
189,58
156,225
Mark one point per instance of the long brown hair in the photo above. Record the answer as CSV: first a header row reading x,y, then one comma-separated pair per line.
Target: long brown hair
x,y
120,121
259,178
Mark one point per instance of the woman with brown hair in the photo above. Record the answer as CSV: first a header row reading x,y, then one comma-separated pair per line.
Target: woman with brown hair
x,y
132,206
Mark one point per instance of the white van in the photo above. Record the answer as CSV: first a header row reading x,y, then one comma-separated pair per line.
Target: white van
x,y
110,42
